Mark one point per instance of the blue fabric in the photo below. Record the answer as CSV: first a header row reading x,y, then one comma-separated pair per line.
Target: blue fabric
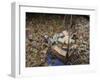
x,y
53,61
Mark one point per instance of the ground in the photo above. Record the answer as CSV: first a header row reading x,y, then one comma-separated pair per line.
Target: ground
x,y
38,51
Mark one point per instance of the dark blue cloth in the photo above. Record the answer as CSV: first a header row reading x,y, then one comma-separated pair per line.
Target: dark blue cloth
x,y
53,60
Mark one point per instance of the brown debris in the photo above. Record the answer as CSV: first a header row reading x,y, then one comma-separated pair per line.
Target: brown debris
x,y
39,25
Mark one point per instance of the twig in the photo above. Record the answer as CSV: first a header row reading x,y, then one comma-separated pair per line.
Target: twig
x,y
67,54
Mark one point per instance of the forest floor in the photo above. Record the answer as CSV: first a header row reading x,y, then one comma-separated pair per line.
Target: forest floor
x,y
38,52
